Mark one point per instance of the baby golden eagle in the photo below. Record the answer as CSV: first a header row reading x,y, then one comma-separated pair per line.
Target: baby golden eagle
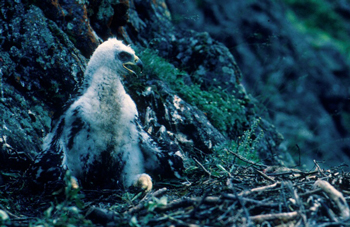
x,y
99,138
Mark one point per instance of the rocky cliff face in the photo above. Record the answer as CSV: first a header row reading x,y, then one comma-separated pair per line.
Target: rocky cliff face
x,y
293,55
40,68
44,48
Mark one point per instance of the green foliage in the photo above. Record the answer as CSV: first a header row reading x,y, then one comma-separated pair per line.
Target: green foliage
x,y
223,162
161,68
222,109
245,147
320,19
318,14
155,202
68,212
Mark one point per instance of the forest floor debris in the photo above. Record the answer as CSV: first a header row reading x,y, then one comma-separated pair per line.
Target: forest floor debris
x,y
271,196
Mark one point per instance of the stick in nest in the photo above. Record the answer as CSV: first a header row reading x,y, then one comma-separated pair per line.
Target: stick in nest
x,y
259,189
336,196
265,176
147,197
200,164
246,160
280,216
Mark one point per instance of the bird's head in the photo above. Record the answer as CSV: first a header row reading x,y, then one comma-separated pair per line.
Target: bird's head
x,y
125,57
114,56
130,62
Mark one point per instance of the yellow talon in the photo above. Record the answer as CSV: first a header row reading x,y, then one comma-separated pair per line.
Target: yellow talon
x,y
144,181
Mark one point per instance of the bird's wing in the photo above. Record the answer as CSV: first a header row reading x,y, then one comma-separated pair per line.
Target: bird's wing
x,y
160,159
47,167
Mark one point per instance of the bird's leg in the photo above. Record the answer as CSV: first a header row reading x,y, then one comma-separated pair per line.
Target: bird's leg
x,y
144,182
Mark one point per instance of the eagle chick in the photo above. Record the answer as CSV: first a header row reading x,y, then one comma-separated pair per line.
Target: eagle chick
x,y
99,138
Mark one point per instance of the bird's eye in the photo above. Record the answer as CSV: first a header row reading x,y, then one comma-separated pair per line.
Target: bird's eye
x,y
124,56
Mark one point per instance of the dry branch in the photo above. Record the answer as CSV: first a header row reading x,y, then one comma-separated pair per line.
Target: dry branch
x,y
157,193
265,176
185,202
204,169
259,189
246,160
336,196
253,201
282,217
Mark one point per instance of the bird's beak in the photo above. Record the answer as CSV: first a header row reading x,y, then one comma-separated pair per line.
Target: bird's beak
x,y
137,65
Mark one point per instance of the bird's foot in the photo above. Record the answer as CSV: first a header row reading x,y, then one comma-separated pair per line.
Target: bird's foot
x,y
144,182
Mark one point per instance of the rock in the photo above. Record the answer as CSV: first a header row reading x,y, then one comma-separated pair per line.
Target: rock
x,y
40,69
42,64
301,79
72,17
185,123
209,63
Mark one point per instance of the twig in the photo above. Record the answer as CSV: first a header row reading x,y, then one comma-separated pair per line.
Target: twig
x,y
246,160
189,202
310,192
149,195
331,215
265,176
259,189
283,217
336,196
176,204
299,161
319,169
298,201
155,222
205,170
157,193
340,223
303,174
9,213
192,214
257,202
246,212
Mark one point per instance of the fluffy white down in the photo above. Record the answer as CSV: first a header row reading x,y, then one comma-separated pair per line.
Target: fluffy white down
x,y
108,114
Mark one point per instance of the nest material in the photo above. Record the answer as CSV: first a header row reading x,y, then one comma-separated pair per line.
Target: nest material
x,y
272,196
